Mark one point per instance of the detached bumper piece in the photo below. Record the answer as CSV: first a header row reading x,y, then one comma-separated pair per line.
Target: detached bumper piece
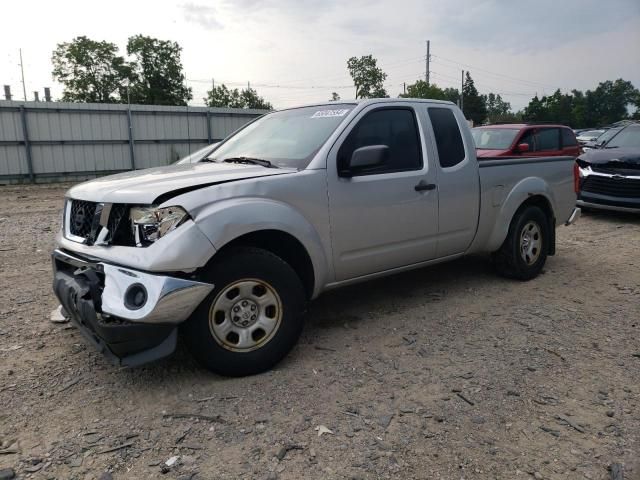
x,y
130,316
575,215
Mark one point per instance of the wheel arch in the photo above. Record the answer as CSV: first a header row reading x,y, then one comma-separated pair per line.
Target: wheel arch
x,y
529,192
282,244
272,225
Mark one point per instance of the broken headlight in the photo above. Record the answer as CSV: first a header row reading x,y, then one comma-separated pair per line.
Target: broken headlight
x,y
151,223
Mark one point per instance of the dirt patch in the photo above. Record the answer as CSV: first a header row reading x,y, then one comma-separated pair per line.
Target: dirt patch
x,y
447,372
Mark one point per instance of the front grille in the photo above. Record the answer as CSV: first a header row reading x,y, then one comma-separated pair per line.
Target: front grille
x,y
119,228
629,169
614,187
81,218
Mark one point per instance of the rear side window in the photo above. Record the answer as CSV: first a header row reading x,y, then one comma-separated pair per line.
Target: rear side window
x,y
393,127
548,139
568,138
448,138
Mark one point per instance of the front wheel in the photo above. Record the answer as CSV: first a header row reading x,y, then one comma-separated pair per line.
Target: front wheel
x,y
253,316
524,252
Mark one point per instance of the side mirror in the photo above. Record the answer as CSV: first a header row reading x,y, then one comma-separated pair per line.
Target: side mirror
x,y
364,158
522,148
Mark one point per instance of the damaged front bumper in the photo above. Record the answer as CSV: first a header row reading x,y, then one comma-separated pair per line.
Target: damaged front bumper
x,y
129,315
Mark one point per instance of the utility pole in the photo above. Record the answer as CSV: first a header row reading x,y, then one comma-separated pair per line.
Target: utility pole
x,y
404,86
24,88
428,59
462,94
213,85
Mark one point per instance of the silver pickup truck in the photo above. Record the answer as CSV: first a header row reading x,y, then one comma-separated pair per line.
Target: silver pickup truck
x,y
228,251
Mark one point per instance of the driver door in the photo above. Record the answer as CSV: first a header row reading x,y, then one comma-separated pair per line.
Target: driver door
x,y
386,217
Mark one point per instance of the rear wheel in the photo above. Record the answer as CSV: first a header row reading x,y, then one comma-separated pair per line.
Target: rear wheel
x,y
253,316
524,252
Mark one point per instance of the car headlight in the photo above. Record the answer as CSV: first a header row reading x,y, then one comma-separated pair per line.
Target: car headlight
x,y
151,223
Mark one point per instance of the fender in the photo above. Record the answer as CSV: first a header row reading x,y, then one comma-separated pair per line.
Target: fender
x,y
526,188
227,220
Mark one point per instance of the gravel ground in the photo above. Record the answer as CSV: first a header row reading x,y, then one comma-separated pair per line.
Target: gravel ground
x,y
448,372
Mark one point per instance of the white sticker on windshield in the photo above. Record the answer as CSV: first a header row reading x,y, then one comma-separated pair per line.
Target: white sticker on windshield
x,y
330,113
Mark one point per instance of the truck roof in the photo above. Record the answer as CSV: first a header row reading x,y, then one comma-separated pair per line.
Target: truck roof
x,y
367,101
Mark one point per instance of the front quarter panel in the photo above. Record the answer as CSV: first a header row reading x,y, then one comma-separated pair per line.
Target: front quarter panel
x,y
225,221
295,204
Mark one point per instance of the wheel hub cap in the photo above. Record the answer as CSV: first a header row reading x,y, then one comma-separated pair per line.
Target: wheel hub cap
x,y
530,242
245,315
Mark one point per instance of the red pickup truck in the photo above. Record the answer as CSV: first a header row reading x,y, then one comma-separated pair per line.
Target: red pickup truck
x,y
508,140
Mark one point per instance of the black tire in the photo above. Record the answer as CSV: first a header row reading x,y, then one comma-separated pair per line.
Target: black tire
x,y
509,260
236,265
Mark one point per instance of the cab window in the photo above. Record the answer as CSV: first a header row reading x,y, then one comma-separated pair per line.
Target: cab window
x,y
448,138
548,139
394,127
568,138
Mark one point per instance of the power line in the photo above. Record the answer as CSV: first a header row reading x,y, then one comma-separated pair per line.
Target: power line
x,y
487,87
287,83
387,67
521,80
267,85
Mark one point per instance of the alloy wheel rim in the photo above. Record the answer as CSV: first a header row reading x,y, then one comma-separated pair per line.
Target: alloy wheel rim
x,y
530,242
245,315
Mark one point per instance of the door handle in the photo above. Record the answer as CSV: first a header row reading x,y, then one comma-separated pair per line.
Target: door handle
x,y
422,186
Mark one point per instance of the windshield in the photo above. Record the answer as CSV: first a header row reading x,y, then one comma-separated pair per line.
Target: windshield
x,y
198,155
288,138
629,137
494,138
591,133
607,135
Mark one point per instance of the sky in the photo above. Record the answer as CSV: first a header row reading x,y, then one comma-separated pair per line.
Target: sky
x,y
295,51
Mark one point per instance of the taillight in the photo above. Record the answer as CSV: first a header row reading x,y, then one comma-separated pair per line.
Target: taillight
x,y
576,177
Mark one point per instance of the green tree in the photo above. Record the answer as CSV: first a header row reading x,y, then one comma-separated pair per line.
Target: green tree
x,y
609,102
579,110
251,99
90,71
452,94
535,111
420,89
367,77
556,108
474,107
222,96
498,110
158,74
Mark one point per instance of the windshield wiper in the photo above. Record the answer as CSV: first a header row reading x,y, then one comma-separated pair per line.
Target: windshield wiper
x,y
249,160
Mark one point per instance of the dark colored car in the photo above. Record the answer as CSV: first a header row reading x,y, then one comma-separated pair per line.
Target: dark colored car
x,y
511,140
602,140
610,176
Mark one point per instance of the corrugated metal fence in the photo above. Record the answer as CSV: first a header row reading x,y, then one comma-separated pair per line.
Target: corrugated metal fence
x,y
44,142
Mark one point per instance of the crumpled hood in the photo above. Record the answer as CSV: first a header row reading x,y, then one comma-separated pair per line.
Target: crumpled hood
x,y
628,158
154,185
